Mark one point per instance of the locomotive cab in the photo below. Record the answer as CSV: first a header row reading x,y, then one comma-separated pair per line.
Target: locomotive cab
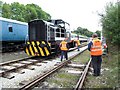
x,y
40,30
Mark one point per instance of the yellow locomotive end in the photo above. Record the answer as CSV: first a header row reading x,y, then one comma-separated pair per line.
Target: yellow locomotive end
x,y
37,48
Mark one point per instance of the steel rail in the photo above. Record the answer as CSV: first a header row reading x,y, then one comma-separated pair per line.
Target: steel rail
x,y
17,60
82,77
18,67
15,68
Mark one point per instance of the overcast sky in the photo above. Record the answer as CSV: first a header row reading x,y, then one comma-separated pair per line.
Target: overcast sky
x,y
83,13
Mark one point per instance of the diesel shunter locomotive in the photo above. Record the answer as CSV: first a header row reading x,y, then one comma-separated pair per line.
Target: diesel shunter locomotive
x,y
45,37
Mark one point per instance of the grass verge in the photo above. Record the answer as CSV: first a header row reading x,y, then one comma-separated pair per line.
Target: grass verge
x,y
109,73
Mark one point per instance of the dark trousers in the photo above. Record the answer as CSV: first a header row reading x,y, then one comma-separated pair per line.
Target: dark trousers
x,y
64,54
96,63
78,48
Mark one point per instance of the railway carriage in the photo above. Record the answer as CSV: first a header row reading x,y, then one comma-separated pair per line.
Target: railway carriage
x,y
13,34
83,38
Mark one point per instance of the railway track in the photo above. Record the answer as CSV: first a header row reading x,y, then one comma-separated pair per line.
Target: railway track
x,y
35,82
25,63
19,63
14,65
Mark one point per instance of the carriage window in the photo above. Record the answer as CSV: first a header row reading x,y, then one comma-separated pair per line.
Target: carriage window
x,y
10,29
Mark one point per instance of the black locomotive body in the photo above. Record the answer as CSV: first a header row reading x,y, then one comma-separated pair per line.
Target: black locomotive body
x,y
45,37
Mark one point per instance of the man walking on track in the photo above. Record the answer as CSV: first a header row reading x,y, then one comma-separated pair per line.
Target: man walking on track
x,y
95,48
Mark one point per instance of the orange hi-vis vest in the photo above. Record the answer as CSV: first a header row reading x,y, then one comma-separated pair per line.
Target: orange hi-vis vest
x,y
78,42
96,48
63,46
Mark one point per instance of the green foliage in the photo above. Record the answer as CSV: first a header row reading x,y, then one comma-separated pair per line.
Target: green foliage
x,y
83,31
1,4
24,13
111,23
98,33
6,10
17,11
30,12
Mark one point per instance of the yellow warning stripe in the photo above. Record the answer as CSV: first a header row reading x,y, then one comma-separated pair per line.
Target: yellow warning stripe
x,y
33,43
43,42
49,44
37,49
30,49
47,52
27,51
42,53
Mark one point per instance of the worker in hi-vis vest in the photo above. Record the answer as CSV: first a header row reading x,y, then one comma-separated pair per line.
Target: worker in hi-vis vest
x,y
95,48
64,49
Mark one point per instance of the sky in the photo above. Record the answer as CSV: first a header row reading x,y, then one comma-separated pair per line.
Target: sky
x,y
78,13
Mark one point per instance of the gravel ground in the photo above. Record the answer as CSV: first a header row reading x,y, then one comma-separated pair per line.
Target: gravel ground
x,y
12,56
31,74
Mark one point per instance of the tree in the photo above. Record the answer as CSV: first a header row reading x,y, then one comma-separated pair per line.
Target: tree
x,y
111,23
6,11
1,5
18,11
30,13
98,33
83,31
40,13
24,13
